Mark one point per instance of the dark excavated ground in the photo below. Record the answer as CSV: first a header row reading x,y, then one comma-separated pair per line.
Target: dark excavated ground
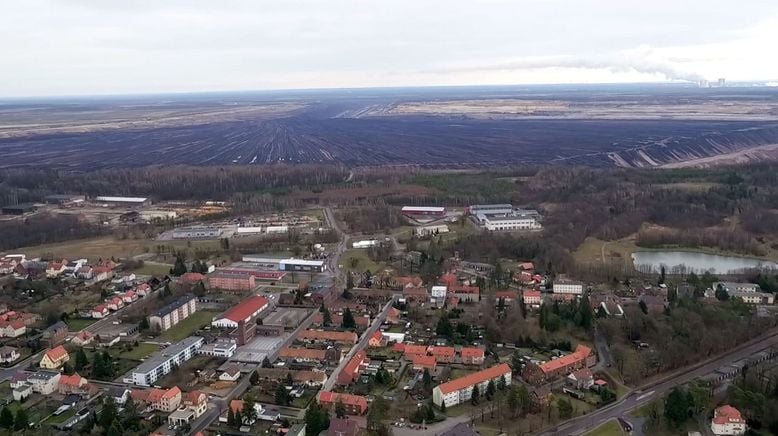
x,y
316,135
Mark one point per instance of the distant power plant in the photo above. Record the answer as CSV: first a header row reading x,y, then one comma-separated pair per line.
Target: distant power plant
x,y
720,83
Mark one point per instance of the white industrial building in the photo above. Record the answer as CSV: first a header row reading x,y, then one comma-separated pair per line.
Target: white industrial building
x,y
302,265
430,230
564,286
122,201
504,217
509,223
364,244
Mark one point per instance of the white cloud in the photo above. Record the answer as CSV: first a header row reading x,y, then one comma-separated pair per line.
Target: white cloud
x,y
111,46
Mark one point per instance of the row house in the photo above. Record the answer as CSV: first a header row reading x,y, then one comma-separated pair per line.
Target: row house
x,y
466,294
460,390
581,358
507,297
354,404
350,373
163,400
532,298
99,311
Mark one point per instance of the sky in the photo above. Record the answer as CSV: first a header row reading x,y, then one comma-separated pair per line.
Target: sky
x,y
87,47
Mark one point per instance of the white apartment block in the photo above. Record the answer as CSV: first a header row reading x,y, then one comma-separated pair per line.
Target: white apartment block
x,y
162,363
562,286
460,390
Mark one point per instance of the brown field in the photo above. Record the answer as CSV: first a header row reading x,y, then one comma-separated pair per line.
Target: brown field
x,y
106,247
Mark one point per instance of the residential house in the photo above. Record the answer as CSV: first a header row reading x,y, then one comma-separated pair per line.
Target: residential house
x,y
193,406
8,354
71,384
54,358
129,297
655,304
86,272
302,354
231,373
353,368
99,311
376,340
114,303
354,404
42,382
728,421
56,268
83,338
101,273
163,400
581,379
406,282
472,355
22,391
460,390
343,427
416,294
55,334
119,394
393,316
12,329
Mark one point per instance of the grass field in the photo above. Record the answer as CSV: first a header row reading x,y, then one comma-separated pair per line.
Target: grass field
x,y
78,324
610,428
356,260
142,351
107,246
153,269
592,249
188,326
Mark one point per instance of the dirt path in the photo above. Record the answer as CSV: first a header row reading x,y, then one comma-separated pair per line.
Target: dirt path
x,y
762,152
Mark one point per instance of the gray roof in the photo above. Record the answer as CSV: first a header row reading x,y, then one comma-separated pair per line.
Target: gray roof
x,y
43,375
164,355
174,305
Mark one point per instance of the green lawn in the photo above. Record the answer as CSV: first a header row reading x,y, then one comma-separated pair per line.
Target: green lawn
x,y
610,428
78,324
356,260
142,351
188,326
151,269
54,420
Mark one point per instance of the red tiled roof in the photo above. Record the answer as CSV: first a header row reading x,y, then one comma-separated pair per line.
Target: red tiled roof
x,y
71,380
57,353
302,353
353,365
245,308
474,378
329,397
505,294
443,351
727,414
535,294
424,361
192,277
399,346
236,406
172,392
415,349
464,289
329,335
415,292
581,352
377,336
471,352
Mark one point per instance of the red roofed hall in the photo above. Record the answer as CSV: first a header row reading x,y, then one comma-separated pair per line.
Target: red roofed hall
x,y
244,311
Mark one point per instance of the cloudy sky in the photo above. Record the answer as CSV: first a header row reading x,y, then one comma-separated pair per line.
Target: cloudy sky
x,y
65,47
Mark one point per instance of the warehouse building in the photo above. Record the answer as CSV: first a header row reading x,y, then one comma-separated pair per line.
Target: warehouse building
x,y
246,311
424,211
196,233
123,201
19,209
301,265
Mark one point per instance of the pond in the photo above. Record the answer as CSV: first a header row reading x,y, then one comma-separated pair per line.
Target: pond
x,y
687,261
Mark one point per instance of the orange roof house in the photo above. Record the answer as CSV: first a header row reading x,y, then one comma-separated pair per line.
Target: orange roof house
x,y
581,358
443,354
376,340
54,358
472,355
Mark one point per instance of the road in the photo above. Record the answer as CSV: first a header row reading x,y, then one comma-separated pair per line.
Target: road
x,y
334,259
360,345
658,388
